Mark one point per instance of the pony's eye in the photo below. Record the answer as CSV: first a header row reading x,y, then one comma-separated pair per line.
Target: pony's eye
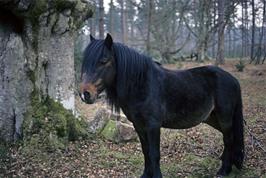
x,y
103,61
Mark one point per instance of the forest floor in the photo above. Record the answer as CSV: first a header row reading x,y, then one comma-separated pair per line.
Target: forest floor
x,y
184,153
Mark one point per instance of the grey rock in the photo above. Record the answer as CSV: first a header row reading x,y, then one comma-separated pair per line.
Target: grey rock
x,y
126,132
112,126
99,121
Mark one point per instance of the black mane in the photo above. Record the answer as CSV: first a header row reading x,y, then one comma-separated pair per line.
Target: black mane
x,y
91,56
131,74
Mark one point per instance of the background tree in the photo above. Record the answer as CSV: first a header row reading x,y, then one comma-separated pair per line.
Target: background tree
x,y
101,19
172,30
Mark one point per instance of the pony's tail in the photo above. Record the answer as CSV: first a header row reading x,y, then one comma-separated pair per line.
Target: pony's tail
x,y
238,132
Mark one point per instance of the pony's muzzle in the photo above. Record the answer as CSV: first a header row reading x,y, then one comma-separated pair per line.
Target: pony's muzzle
x,y
88,92
87,98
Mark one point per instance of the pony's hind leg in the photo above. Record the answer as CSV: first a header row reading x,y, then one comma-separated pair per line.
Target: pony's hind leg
x,y
226,157
225,127
231,126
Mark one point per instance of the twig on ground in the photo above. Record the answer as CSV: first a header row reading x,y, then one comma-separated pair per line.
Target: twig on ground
x,y
255,139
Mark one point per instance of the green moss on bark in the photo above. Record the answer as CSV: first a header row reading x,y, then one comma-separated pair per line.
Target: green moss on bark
x,y
110,131
49,126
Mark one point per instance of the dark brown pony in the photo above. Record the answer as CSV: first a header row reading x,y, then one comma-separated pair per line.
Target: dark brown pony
x,y
153,97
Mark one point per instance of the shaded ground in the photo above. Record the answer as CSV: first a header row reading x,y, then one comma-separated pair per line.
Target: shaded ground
x,y
184,153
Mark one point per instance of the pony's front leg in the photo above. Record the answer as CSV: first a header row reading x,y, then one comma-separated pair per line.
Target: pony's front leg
x,y
145,150
153,135
150,143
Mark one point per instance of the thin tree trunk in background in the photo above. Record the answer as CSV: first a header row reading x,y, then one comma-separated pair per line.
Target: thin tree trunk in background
x,y
132,25
204,26
101,19
259,52
111,13
202,31
129,22
92,27
148,41
229,54
214,34
263,28
244,28
246,40
221,26
92,22
123,21
234,41
207,28
252,49
125,24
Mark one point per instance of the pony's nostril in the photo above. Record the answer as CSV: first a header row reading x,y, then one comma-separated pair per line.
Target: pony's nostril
x,y
87,95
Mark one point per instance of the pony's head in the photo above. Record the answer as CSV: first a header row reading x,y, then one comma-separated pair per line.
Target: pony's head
x,y
98,69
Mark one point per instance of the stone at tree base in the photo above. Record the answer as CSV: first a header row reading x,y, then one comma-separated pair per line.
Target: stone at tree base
x,y
99,121
110,131
112,127
118,132
126,132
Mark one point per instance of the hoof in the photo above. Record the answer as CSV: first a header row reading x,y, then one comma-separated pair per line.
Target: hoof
x,y
238,164
144,175
224,171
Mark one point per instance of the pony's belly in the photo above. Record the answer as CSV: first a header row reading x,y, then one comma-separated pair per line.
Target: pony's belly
x,y
188,119
176,123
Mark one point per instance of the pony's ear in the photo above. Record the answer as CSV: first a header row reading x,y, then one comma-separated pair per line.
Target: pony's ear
x,y
108,41
92,38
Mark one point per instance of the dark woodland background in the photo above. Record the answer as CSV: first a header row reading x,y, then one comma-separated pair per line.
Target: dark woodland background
x,y
174,30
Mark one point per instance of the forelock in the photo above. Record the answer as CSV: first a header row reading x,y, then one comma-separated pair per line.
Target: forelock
x,y
92,54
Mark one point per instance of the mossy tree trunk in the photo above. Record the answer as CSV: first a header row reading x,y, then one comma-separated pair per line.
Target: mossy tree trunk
x,y
36,57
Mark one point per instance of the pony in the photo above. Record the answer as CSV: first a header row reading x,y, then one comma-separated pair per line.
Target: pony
x,y
152,97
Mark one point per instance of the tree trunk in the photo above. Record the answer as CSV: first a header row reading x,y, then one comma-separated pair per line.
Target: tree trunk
x,y
259,52
101,19
220,50
214,34
245,28
263,32
204,25
34,62
252,50
92,27
150,9
92,22
229,52
111,13
123,21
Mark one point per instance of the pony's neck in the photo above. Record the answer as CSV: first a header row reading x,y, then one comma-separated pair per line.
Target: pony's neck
x,y
132,74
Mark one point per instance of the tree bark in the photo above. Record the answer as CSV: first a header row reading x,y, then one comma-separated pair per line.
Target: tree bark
x,y
111,14
148,41
34,62
203,29
252,49
220,50
123,20
101,19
